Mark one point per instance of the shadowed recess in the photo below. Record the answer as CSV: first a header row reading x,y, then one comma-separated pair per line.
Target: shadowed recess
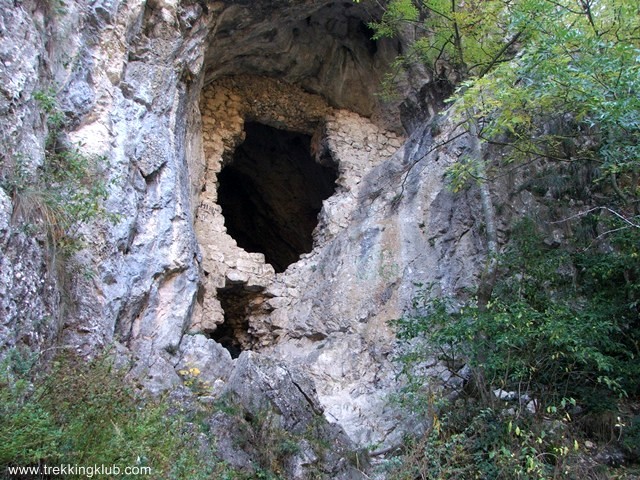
x,y
271,193
238,303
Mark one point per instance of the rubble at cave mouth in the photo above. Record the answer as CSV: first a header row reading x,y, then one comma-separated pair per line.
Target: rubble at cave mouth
x,y
271,193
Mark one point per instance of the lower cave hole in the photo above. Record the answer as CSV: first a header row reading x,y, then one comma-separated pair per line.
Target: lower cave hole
x,y
238,303
271,193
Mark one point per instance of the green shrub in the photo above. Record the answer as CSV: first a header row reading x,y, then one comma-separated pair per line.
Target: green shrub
x,y
560,325
86,414
471,442
561,331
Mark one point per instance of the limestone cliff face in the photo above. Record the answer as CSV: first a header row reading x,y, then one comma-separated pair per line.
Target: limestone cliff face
x,y
165,90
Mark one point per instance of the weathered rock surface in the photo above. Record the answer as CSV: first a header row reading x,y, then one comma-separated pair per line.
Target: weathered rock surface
x,y
324,47
162,90
347,290
209,357
30,307
275,417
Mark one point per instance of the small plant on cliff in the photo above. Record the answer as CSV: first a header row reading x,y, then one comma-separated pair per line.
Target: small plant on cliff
x,y
191,379
66,192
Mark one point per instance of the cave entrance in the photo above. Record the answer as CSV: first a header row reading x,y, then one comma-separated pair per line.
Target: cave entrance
x,y
238,303
271,193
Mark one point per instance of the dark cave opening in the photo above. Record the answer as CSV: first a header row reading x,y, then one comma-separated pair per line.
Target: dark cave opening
x,y
238,303
271,193
224,335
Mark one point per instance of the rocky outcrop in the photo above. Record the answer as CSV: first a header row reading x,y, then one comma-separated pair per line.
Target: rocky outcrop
x,y
271,418
162,91
406,230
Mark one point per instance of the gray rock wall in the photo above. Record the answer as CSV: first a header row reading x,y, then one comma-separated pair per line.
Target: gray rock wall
x,y
406,228
30,307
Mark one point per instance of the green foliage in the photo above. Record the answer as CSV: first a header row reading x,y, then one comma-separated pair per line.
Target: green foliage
x,y
275,447
191,379
28,432
631,439
85,414
454,40
469,442
555,79
558,81
397,13
571,92
281,444
562,331
461,173
561,324
66,193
